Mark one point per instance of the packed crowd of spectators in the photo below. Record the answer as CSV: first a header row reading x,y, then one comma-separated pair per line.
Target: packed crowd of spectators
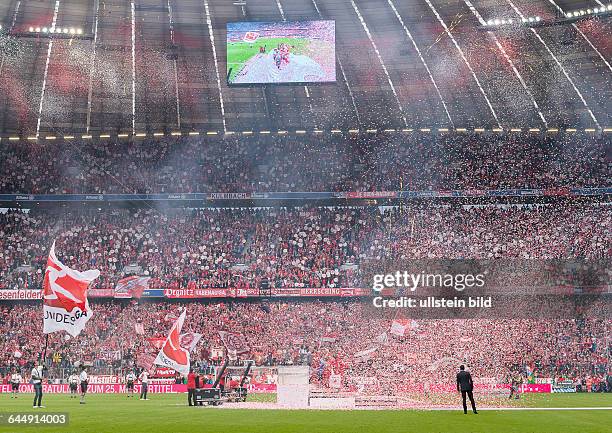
x,y
289,248
306,163
331,337
310,247
307,247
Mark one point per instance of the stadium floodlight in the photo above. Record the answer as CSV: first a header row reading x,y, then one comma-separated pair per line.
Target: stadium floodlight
x,y
79,31
44,30
31,29
527,21
37,30
72,31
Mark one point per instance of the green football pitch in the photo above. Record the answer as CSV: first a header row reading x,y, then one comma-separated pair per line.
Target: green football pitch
x,y
169,413
239,53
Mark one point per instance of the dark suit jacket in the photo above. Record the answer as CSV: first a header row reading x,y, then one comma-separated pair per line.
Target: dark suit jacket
x,y
464,381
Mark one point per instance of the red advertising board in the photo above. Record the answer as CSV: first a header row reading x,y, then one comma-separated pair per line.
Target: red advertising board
x,y
536,387
198,293
117,388
206,293
557,191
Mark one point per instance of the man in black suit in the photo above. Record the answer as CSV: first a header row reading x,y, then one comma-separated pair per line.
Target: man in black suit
x,y
465,386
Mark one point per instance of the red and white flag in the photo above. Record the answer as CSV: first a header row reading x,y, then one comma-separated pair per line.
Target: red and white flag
x,y
330,337
364,355
189,340
145,360
382,339
131,287
65,304
172,354
157,342
250,37
139,328
399,327
235,344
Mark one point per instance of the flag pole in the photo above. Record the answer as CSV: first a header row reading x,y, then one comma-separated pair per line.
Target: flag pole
x,y
45,349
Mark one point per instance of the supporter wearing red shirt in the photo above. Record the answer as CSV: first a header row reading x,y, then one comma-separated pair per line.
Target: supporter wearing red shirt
x,y
191,385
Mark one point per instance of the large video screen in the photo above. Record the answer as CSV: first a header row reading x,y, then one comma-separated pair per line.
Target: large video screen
x,y
281,52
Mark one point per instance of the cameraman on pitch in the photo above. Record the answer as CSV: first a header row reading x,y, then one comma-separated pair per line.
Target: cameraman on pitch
x,y
465,386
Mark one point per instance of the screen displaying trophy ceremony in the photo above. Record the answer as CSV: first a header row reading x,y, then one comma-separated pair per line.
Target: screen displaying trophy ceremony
x,y
281,52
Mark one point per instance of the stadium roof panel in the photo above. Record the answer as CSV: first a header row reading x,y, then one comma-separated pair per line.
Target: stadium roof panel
x,y
152,68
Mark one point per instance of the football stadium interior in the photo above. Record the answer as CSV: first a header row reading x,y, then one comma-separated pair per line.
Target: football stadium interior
x,y
306,215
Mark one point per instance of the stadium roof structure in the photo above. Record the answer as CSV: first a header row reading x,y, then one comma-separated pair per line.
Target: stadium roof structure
x,y
141,66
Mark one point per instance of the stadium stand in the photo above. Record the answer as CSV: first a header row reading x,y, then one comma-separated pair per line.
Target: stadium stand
x,y
359,163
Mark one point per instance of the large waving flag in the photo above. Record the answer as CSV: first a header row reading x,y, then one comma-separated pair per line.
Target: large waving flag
x,y
235,344
133,286
65,304
399,327
189,340
364,355
172,354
